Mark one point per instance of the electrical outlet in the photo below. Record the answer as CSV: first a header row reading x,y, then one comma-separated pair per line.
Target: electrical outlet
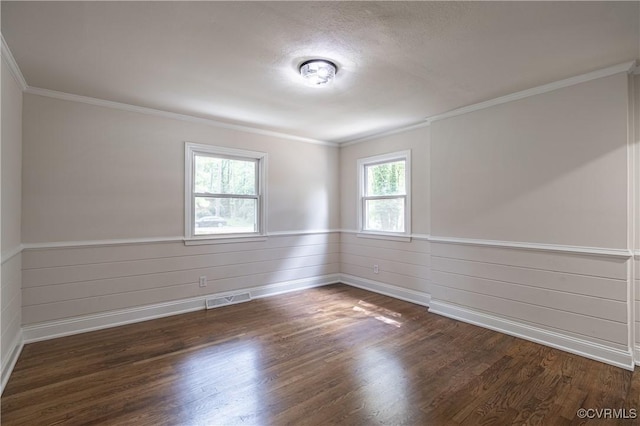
x,y
203,281
375,269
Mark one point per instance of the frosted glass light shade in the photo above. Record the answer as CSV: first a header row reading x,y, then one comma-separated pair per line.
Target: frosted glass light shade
x,y
318,72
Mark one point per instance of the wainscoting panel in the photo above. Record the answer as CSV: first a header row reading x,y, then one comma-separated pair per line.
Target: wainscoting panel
x,y
11,340
400,264
573,297
68,282
598,266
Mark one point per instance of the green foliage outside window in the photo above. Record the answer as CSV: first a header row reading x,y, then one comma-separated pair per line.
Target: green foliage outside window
x,y
226,176
385,179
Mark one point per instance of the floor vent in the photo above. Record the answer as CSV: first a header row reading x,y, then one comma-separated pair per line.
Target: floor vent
x,y
216,302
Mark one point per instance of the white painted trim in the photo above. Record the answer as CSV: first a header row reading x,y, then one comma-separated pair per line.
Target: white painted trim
x,y
626,67
297,233
153,240
384,158
67,327
191,150
225,239
101,243
85,323
382,236
16,346
632,208
637,354
617,357
294,285
361,165
172,115
595,251
423,237
349,231
385,133
408,295
11,253
224,150
13,65
637,254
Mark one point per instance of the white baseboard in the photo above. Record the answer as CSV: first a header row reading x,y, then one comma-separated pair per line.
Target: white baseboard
x,y
295,285
401,293
66,327
617,357
7,366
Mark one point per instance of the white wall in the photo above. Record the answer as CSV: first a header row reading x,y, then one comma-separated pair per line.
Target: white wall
x,y
11,297
547,173
403,266
548,169
95,173
417,141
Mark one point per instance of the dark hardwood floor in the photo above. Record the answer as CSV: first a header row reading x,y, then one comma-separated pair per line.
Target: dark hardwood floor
x,y
331,355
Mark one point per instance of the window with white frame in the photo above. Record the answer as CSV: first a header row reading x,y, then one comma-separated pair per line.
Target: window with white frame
x,y
224,191
385,194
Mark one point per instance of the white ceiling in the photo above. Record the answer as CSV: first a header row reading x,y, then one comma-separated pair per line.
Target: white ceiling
x,y
236,62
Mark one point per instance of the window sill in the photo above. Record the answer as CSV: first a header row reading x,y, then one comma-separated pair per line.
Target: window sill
x,y
224,239
380,236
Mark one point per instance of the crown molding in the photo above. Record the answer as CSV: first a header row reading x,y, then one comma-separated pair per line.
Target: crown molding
x,y
13,65
166,114
386,133
626,67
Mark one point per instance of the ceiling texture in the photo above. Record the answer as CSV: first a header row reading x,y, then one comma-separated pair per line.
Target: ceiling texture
x,y
237,62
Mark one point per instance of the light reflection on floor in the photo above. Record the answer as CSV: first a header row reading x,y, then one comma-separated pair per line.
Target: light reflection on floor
x,y
224,383
381,314
384,382
220,384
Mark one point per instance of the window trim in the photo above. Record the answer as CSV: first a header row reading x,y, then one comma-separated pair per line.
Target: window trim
x,y
381,159
190,151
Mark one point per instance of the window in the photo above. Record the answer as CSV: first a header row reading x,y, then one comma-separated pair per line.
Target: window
x,y
224,192
384,206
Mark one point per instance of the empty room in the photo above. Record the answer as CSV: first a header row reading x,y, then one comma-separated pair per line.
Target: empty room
x,y
358,213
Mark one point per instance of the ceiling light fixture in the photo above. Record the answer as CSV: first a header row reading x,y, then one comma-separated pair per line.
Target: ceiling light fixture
x,y
318,72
